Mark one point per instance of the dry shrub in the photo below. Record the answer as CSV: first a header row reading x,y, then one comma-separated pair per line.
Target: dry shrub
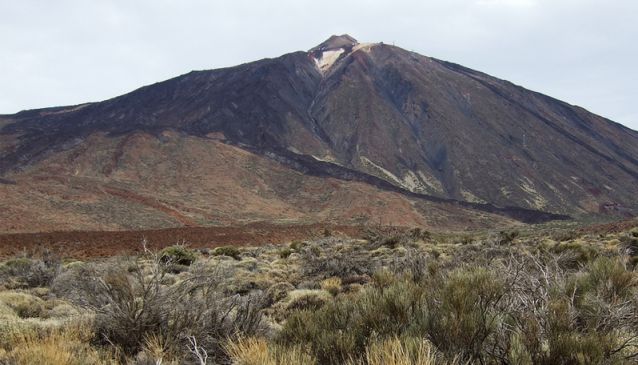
x,y
278,292
306,299
132,305
24,305
30,273
339,263
229,251
331,285
392,237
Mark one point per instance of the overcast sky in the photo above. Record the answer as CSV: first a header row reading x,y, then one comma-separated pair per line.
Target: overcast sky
x,y
72,51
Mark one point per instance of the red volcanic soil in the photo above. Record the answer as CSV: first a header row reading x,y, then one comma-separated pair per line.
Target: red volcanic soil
x,y
92,244
613,227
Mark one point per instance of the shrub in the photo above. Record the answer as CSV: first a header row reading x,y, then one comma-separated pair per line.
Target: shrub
x,y
24,305
30,273
505,237
341,328
297,245
338,263
306,299
463,312
390,241
331,285
419,234
355,279
278,292
315,251
572,255
609,279
285,253
131,304
459,312
228,251
177,254
630,243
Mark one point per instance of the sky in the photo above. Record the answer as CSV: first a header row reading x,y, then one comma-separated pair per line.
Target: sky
x,y
66,52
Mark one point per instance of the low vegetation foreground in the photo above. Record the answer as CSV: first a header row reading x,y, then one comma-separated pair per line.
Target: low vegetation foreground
x,y
400,296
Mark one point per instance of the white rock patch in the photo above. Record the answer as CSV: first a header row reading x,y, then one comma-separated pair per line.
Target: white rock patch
x,y
327,59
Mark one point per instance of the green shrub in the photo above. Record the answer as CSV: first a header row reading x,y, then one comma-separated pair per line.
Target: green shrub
x,y
463,312
505,237
177,254
609,279
284,253
229,251
572,255
297,245
341,329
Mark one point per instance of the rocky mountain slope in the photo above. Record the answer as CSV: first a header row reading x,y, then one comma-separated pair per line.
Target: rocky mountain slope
x,y
346,131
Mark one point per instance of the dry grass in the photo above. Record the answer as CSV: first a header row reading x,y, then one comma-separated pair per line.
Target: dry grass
x,y
257,351
63,346
395,351
24,305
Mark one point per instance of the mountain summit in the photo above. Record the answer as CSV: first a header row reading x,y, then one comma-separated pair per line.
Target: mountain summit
x,y
333,49
346,131
335,42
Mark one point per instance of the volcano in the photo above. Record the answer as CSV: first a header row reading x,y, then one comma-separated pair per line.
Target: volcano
x,y
346,132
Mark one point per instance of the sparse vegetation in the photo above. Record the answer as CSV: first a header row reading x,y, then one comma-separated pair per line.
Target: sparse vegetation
x,y
228,251
468,298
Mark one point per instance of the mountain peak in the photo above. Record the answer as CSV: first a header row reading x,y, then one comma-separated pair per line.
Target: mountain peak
x,y
335,42
329,51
